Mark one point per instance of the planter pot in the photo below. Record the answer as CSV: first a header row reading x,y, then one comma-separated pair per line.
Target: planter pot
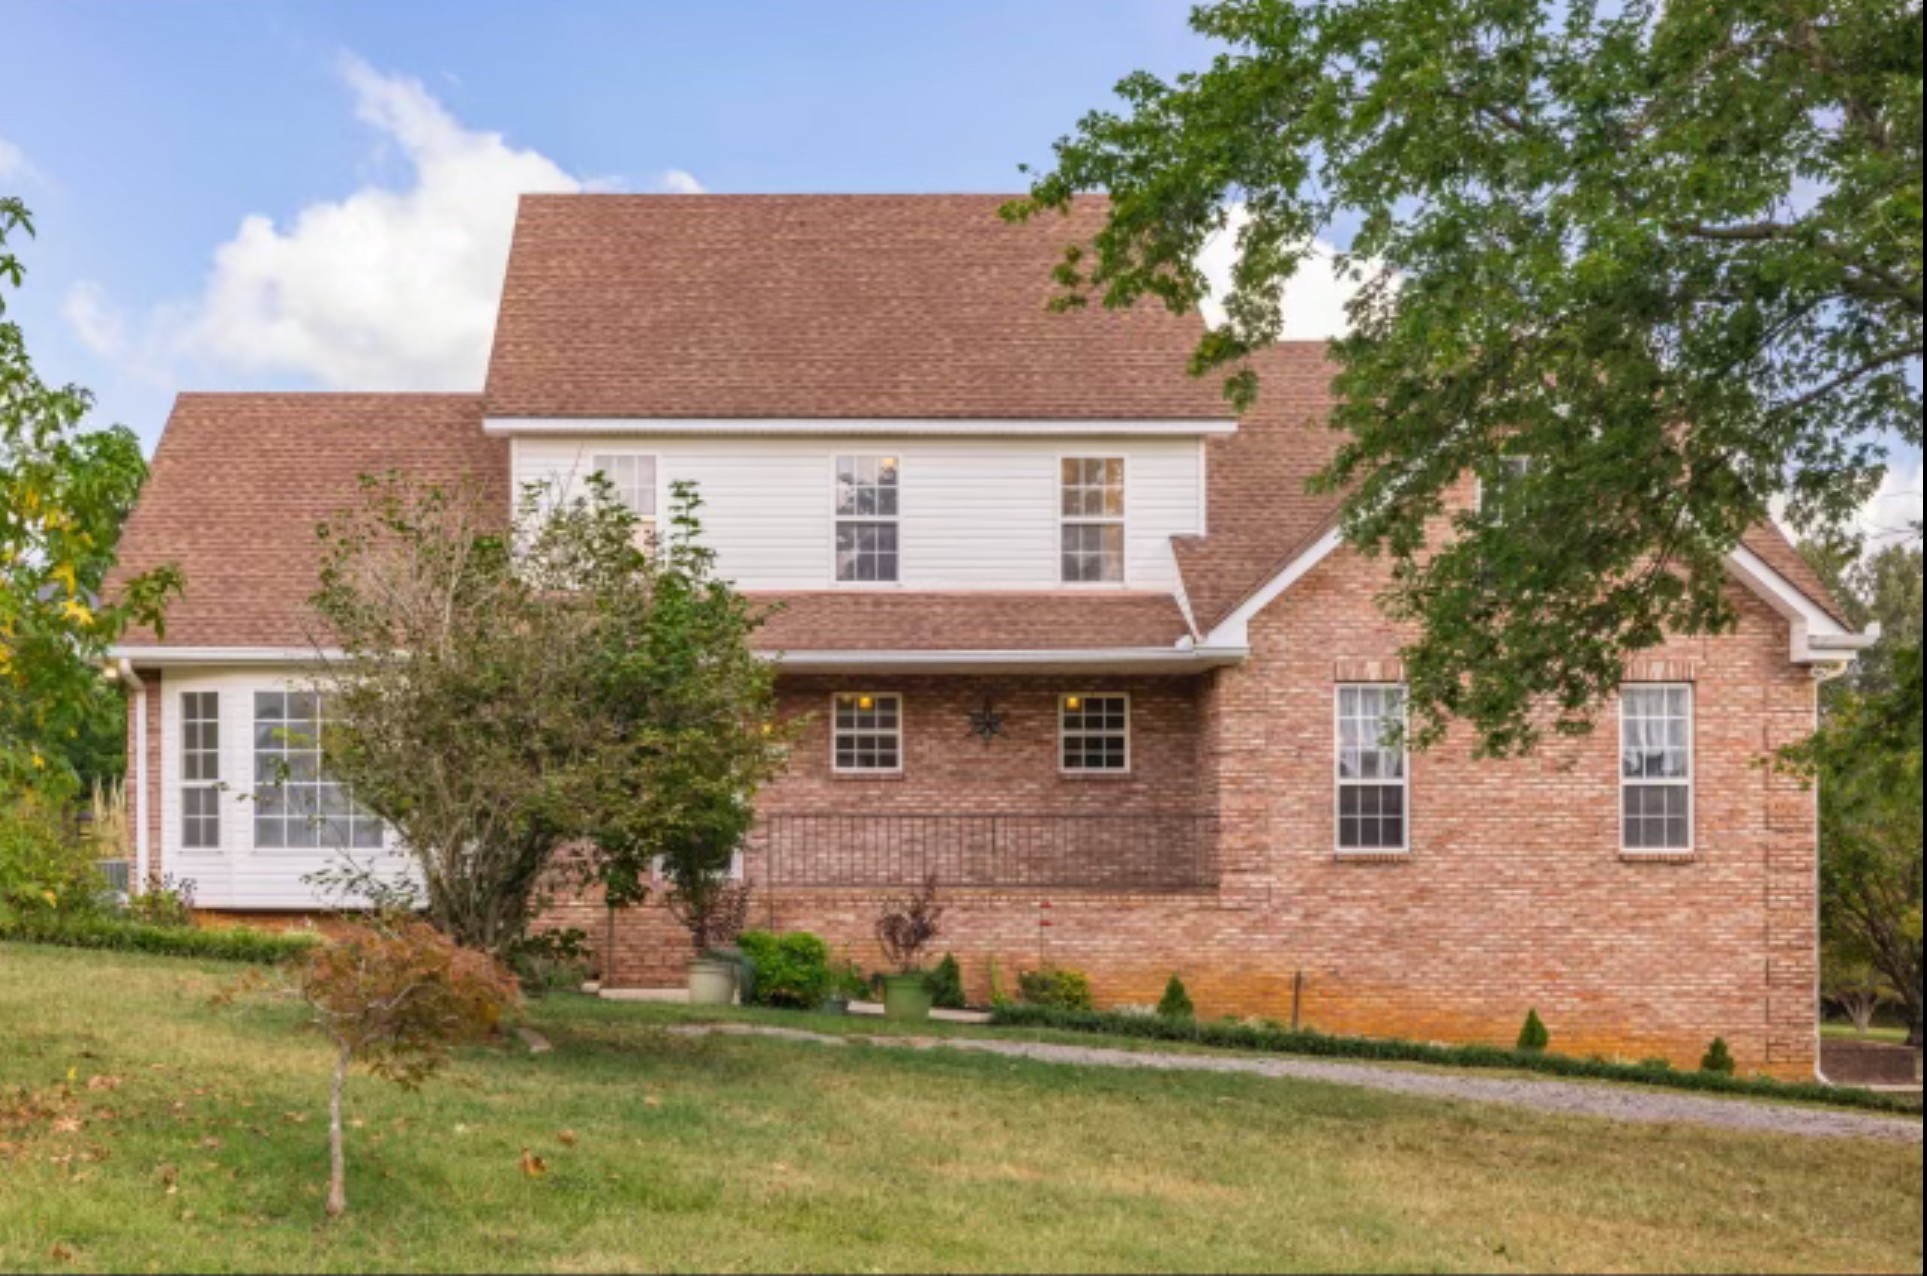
x,y
712,982
906,998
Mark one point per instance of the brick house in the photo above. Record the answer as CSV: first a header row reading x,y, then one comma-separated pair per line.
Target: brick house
x,y
1062,631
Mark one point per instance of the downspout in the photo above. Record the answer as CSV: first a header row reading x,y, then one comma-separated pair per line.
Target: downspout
x,y
1822,674
137,883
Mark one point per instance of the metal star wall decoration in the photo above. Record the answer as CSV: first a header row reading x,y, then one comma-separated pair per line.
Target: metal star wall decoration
x,y
986,721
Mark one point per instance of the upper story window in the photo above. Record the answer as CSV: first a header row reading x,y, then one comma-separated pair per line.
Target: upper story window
x,y
866,518
1371,768
295,804
1095,732
1656,768
1093,519
868,733
200,769
633,476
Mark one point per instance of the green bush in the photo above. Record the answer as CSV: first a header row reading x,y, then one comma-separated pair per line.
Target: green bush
x,y
226,943
1718,1060
44,872
165,902
1245,1036
1176,1002
550,961
1533,1036
946,985
1054,987
791,970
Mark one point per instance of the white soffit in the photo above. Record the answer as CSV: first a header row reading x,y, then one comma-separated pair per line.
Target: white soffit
x,y
832,427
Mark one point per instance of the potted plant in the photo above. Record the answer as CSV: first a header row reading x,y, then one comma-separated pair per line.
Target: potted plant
x,y
712,908
904,932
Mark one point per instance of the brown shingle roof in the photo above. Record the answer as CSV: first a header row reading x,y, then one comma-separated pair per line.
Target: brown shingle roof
x,y
820,306
240,482
970,621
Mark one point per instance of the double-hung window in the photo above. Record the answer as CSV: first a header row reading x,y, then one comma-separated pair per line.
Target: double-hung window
x,y
200,770
866,518
1093,519
1372,813
1656,767
633,476
295,803
867,737
1094,733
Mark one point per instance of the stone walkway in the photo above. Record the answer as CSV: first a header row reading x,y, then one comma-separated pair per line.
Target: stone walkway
x,y
1564,1098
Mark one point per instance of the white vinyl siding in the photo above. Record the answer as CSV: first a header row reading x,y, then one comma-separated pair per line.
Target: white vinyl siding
x,y
234,872
984,513
1656,768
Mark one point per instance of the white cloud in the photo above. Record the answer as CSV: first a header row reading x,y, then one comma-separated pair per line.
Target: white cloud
x,y
677,182
385,289
1894,512
1315,299
13,161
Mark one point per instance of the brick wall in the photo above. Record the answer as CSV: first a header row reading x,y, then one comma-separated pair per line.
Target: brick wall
x,y
1514,894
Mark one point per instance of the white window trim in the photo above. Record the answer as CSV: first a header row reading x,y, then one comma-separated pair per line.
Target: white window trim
x,y
1064,734
1340,783
835,769
837,517
1121,521
651,527
1690,781
185,785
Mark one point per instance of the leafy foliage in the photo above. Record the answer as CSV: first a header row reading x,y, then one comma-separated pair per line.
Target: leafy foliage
x,y
64,493
165,901
394,997
1176,1001
792,969
1532,1034
1668,255
946,984
1234,1035
1718,1060
1055,987
505,691
555,960
910,926
117,934
45,872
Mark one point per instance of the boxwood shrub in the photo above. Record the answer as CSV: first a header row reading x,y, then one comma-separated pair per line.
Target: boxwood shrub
x,y
1239,1035
227,943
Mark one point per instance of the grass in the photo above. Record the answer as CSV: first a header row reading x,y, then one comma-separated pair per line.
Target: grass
x,y
204,1150
1847,1032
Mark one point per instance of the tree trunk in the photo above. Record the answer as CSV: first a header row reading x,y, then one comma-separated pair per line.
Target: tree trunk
x,y
338,1169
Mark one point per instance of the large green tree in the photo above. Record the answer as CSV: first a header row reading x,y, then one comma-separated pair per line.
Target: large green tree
x,y
1667,254
64,492
524,703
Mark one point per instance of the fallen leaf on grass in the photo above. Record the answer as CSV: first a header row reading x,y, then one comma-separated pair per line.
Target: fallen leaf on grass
x,y
533,1165
567,1137
66,1125
651,1101
61,1254
103,1082
211,1143
296,1117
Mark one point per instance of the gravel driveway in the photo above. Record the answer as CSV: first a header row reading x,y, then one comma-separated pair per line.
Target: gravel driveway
x,y
1565,1098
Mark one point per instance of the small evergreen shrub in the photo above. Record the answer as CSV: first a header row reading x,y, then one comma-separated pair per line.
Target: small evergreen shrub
x,y
1718,1060
1054,987
1533,1036
1176,1002
946,984
792,970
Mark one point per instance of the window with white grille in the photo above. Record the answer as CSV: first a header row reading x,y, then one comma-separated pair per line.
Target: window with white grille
x,y
1372,791
868,732
200,769
1093,519
1656,767
1095,732
633,476
295,803
866,518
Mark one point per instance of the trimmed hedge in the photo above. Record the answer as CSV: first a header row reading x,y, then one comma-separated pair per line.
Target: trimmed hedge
x,y
265,948
1232,1035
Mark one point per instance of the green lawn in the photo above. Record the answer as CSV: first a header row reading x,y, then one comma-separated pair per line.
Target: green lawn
x,y
142,1128
1847,1032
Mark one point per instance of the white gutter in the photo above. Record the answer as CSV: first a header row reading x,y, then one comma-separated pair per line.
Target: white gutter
x,y
917,428
1179,659
137,883
161,657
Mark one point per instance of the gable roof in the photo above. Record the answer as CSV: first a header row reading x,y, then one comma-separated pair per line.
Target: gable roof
x,y
240,481
821,306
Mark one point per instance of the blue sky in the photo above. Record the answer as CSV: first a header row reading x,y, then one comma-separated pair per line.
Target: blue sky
x,y
143,135
319,195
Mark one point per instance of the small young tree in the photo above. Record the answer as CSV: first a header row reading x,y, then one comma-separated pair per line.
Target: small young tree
x,y
1533,1037
710,907
909,927
394,997
1854,986
1717,1060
